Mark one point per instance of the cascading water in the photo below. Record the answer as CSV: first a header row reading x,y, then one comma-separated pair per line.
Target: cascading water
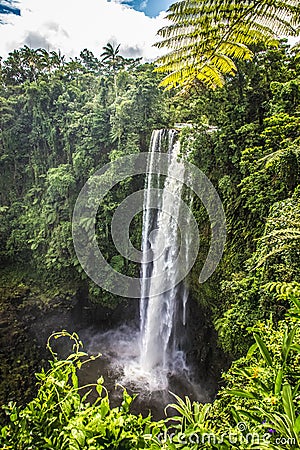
x,y
160,352
151,361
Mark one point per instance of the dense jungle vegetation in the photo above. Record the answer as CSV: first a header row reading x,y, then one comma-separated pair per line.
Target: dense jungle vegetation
x,y
60,121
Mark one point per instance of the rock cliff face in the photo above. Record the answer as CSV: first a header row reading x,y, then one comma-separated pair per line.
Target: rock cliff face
x,y
20,356
203,352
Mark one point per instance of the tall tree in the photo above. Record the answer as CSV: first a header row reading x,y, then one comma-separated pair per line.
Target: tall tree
x,y
111,55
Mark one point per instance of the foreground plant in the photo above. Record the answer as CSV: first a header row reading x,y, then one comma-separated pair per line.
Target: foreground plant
x,y
205,38
259,408
59,417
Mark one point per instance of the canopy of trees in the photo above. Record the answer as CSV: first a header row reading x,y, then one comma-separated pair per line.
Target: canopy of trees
x,y
60,121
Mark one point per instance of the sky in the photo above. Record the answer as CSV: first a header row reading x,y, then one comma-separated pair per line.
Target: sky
x,y
72,25
150,7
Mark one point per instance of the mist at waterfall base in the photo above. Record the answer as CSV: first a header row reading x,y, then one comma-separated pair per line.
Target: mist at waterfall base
x,y
149,360
119,366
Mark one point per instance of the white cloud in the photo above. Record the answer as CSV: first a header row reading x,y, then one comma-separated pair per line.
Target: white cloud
x,y
72,25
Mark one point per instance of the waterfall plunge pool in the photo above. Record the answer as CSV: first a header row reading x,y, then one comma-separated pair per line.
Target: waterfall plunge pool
x,y
120,366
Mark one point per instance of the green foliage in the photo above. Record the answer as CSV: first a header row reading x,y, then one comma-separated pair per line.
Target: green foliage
x,y
245,137
205,38
60,417
61,121
258,408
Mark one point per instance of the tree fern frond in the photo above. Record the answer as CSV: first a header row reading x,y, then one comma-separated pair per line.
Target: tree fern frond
x,y
274,252
208,74
218,31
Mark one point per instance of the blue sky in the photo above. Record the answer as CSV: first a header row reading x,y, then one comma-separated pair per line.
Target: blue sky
x,y
150,7
9,7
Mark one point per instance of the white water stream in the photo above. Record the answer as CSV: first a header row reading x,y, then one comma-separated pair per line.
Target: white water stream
x,y
152,359
160,352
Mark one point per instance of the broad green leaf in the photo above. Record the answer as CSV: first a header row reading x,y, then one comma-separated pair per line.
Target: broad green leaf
x,y
240,393
79,435
297,425
288,340
288,404
295,347
263,350
278,382
251,351
74,379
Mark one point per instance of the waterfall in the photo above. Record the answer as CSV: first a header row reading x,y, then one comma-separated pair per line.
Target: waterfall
x,y
188,243
159,314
